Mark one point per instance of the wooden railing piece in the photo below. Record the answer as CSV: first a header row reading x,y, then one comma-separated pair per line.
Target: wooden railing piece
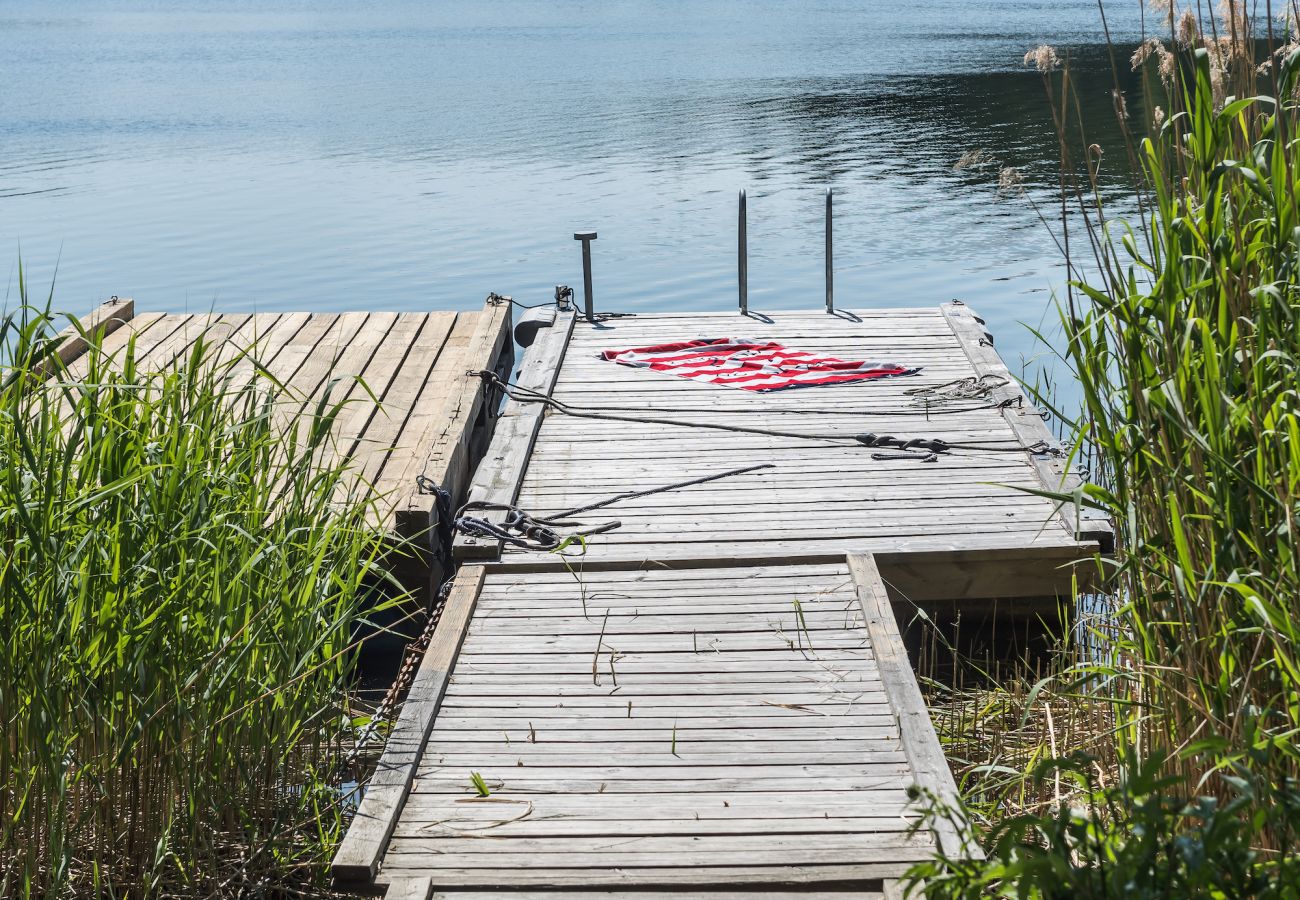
x,y
358,856
1026,421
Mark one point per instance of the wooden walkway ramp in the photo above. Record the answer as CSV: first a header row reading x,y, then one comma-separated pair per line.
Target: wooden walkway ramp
x,y
704,728
714,699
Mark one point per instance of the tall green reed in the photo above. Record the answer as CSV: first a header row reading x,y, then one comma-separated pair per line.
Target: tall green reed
x,y
1186,345
1182,330
183,565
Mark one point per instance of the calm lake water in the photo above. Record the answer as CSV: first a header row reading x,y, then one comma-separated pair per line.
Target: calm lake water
x,y
411,155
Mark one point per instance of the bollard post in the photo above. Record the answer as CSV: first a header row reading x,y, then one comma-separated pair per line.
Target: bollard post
x,y
587,301
830,257
742,258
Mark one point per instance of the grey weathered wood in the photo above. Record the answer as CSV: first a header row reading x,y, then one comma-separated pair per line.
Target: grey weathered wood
x,y
443,454
893,890
102,321
825,492
820,801
734,699
574,753
581,851
1088,524
509,823
919,738
501,471
358,856
650,755
692,876
759,892
418,888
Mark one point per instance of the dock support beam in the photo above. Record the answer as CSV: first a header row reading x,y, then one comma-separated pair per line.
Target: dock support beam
x,y
589,304
742,257
830,257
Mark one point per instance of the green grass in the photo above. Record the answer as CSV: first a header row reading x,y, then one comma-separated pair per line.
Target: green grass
x,y
184,561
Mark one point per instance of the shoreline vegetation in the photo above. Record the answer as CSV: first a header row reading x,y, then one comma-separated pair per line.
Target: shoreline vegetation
x,y
186,562
1153,753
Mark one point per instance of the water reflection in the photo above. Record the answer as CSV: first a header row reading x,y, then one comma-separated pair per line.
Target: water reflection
x,y
390,154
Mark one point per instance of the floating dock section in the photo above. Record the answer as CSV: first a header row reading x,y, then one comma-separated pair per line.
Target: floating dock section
x,y
713,698
412,406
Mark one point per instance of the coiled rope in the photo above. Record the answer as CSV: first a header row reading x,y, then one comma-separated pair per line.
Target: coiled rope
x,y
522,529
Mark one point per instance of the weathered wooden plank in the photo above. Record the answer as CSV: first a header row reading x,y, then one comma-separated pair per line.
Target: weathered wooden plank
x,y
337,378
653,576
823,476
684,529
76,338
313,356
144,329
425,425
759,590
524,617
511,775
446,460
857,893
855,701
522,783
1089,524
385,433
730,728
417,888
720,849
531,755
358,855
323,331
378,378
777,658
818,801
630,825
698,643
496,747
919,739
271,334
550,687
654,735
235,345
802,619
520,680
628,599
715,553
502,469
890,864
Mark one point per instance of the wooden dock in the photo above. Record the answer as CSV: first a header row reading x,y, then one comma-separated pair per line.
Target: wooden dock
x,y
714,697
412,407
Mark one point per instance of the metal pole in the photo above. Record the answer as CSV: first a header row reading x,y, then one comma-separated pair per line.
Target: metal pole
x,y
742,259
830,257
588,301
